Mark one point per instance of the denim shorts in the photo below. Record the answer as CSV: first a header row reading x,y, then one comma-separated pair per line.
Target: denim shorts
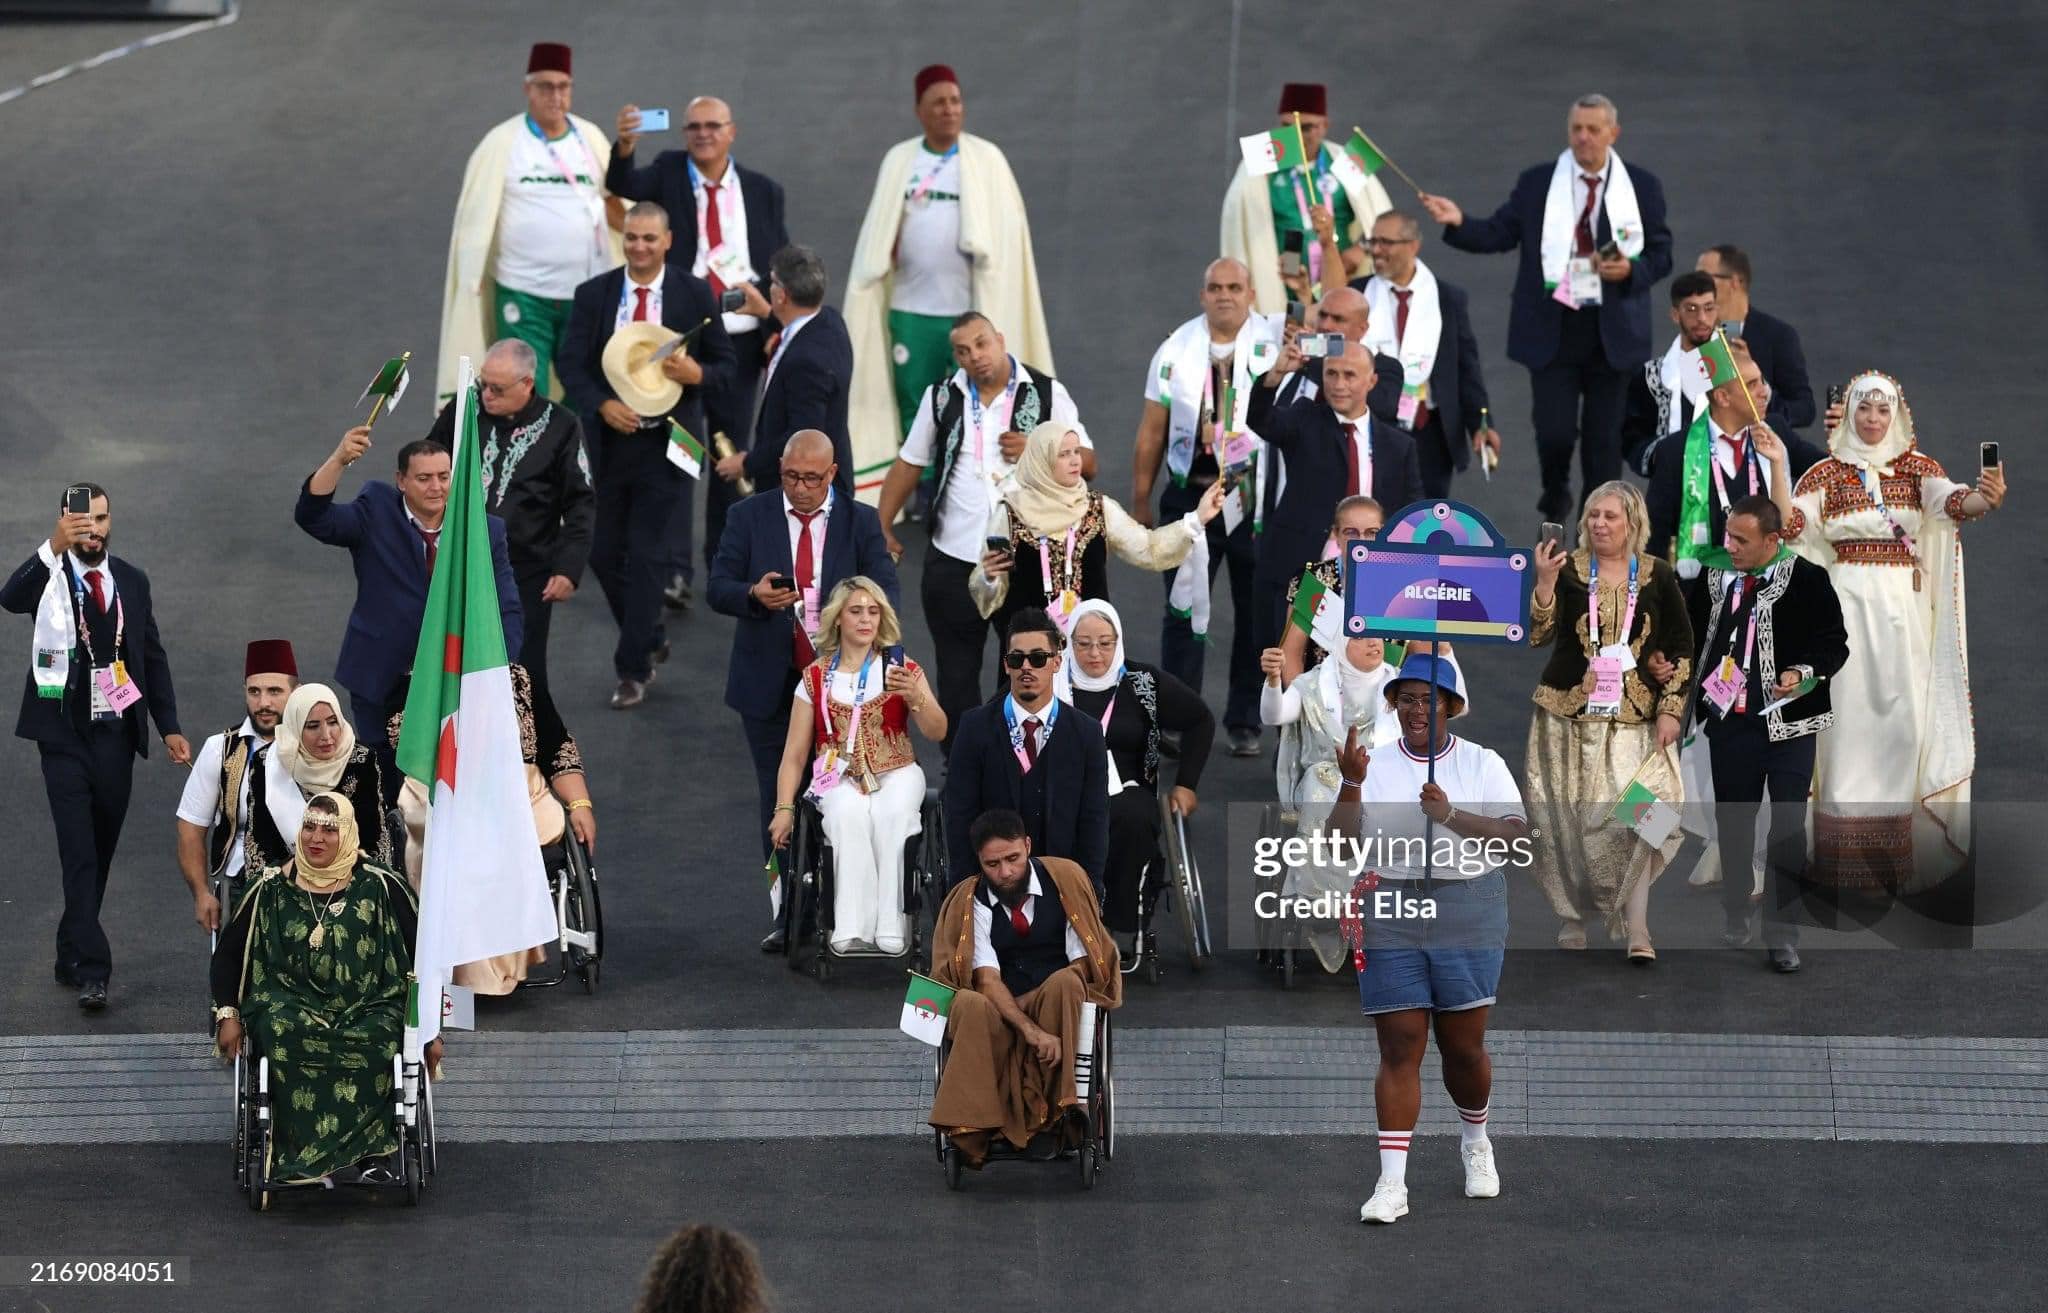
x,y
1446,963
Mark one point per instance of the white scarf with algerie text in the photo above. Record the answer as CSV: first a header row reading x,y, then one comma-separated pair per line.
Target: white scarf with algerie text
x,y
1561,214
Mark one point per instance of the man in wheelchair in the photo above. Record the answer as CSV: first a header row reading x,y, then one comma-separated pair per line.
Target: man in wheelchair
x,y
1025,946
313,966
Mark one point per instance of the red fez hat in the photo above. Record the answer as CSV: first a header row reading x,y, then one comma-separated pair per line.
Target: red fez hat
x,y
548,57
270,656
1305,98
933,74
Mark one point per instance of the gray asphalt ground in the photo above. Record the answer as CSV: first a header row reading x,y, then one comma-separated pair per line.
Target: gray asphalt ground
x,y
210,245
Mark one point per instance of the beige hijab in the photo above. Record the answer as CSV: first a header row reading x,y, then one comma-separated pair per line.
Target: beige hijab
x,y
1041,504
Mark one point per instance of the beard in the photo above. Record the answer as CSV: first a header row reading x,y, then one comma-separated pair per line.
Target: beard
x,y
92,555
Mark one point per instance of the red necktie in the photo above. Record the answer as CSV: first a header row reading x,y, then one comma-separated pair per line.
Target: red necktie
x,y
639,305
1020,922
806,577
1030,744
1351,488
1402,294
431,539
714,232
1584,238
99,596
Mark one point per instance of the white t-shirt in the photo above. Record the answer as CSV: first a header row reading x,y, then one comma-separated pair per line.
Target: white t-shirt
x,y
933,275
975,483
201,799
1474,778
547,229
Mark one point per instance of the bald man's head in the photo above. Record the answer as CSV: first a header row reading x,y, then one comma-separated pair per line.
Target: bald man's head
x,y
708,132
1226,297
807,469
1343,310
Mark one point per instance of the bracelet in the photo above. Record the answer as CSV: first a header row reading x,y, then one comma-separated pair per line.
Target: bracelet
x,y
225,1014
789,807
580,804
1352,784
1451,815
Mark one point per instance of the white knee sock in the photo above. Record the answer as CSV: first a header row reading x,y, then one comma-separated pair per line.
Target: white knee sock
x,y
1394,1156
1474,1128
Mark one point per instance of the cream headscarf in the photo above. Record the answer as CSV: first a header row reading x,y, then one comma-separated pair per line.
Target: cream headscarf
x,y
309,772
1850,449
1041,504
344,863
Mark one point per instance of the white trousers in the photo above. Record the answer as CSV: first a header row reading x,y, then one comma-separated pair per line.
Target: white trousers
x,y
867,833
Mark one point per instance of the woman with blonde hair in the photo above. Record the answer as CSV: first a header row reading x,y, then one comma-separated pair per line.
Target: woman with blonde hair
x,y
1060,532
854,705
1608,611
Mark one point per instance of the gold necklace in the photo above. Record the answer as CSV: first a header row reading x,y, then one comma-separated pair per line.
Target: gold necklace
x,y
320,915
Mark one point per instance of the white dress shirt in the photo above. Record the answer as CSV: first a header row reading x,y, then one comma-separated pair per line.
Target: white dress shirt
x,y
984,951
200,801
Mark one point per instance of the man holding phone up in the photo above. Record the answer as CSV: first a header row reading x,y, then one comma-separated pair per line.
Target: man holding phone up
x,y
98,676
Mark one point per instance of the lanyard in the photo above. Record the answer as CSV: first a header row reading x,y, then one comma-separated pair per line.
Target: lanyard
x,y
922,187
85,630
1045,564
1628,618
1745,457
1107,712
974,408
860,691
1873,484
568,175
1046,720
1743,589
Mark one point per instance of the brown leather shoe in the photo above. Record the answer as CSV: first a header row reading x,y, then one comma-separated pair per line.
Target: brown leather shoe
x,y
630,693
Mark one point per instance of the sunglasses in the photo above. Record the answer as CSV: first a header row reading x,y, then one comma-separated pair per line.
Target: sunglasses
x,y
1038,660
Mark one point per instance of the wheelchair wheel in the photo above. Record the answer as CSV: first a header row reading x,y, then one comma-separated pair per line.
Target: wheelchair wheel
x,y
1183,880
1106,1116
1148,948
1089,1157
582,913
241,1129
415,1171
429,1155
952,1160
1287,967
258,1164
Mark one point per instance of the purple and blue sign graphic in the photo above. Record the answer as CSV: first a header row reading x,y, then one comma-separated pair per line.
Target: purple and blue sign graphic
x,y
1440,570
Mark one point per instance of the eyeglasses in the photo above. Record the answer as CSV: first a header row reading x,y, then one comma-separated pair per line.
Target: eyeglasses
x,y
1413,701
503,389
1095,645
705,128
1038,660
550,88
800,479
1378,242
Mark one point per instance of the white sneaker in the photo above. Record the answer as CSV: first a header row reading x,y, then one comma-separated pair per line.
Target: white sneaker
x,y
1481,1180
1389,1202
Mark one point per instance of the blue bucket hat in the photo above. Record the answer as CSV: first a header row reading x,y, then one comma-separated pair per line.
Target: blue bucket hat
x,y
1441,671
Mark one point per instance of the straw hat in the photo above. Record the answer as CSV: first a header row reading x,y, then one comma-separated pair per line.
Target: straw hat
x,y
637,381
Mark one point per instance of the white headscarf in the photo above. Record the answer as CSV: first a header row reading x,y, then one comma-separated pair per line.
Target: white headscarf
x,y
1071,676
289,750
1852,450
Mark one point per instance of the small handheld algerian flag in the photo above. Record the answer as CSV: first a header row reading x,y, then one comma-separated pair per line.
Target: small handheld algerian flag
x,y
1318,612
1358,159
774,870
389,383
1799,690
1652,818
926,1003
1715,360
1270,152
684,451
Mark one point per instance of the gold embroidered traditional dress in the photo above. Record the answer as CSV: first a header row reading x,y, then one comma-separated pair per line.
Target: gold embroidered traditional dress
x,y
1891,779
875,806
1579,764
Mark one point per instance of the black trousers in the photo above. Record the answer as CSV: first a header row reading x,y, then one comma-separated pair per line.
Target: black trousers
x,y
959,635
1579,399
533,650
1180,655
765,737
1747,769
637,490
1433,450
1133,842
88,782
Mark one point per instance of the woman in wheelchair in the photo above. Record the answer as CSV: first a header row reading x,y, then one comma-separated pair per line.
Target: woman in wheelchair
x,y
313,966
856,704
315,751
1136,703
560,797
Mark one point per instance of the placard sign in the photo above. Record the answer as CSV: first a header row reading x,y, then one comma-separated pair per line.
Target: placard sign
x,y
1439,571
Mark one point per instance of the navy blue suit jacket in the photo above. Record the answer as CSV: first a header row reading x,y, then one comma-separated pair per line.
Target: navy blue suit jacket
x,y
756,542
808,390
1457,388
666,180
686,303
1307,433
982,774
1535,318
391,583
63,720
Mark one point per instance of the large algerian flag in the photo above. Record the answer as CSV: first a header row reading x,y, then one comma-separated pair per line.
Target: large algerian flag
x,y
1270,152
1319,612
482,888
1652,818
925,1005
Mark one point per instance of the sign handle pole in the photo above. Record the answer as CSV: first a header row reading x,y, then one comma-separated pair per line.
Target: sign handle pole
x,y
1428,823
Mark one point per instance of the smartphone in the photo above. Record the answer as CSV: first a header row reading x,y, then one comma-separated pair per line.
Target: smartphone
x,y
1837,394
1611,251
731,299
893,655
995,544
1552,532
78,498
1231,478
784,582
1317,346
1297,314
1987,455
1290,264
654,120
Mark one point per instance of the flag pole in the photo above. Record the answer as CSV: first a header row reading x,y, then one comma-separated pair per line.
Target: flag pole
x,y
1722,338
1399,172
377,407
1315,194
